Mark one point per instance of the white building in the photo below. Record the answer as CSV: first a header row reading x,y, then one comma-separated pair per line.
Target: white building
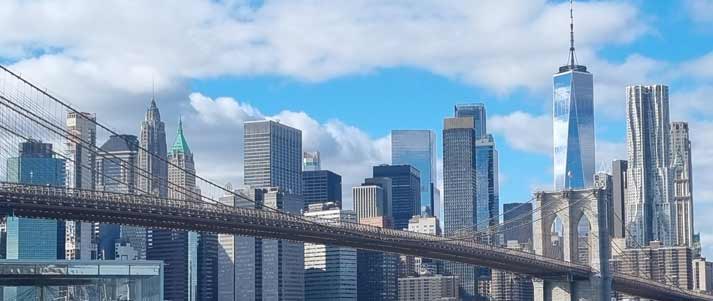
x,y
702,275
330,271
682,183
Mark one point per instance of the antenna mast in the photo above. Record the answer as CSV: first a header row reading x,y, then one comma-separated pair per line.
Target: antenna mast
x,y
571,34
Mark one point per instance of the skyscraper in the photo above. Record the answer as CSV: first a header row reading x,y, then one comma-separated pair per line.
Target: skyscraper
x,y
477,111
81,170
190,257
321,186
117,172
648,194
488,199
153,144
516,218
459,191
330,271
683,183
418,149
405,192
619,171
29,238
274,269
573,123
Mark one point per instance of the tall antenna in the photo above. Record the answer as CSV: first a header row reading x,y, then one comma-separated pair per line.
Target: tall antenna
x,y
571,34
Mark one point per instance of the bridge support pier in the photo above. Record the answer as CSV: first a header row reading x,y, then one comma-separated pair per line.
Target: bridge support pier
x,y
592,289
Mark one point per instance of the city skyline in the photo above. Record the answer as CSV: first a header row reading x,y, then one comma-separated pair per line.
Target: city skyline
x,y
287,94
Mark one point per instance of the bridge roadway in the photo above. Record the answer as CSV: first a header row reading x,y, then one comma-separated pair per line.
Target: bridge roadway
x,y
92,206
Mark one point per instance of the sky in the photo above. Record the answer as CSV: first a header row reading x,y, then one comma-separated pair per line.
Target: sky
x,y
348,72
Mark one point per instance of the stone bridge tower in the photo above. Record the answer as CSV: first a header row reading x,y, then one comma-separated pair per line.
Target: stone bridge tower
x,y
571,211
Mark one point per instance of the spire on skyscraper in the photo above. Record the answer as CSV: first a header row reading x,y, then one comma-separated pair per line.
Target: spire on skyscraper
x,y
571,35
181,145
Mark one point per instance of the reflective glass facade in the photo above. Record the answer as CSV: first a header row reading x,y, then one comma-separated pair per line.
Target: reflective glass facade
x,y
488,200
35,238
573,128
418,149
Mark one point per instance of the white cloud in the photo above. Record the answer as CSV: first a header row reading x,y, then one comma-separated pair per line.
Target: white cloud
x,y
700,10
523,131
344,149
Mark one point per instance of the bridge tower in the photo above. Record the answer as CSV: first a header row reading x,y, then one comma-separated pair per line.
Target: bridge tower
x,y
571,211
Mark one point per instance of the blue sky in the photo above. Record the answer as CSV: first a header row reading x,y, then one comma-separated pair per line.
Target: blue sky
x,y
348,72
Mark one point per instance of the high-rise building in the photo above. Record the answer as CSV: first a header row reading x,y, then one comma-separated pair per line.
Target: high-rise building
x,y
273,156
682,184
669,265
573,123
506,286
272,269
517,221
80,241
372,198
459,191
117,172
29,238
405,192
425,225
620,168
488,190
418,149
311,161
330,271
648,194
702,275
377,272
153,153
477,112
428,288
190,257
321,186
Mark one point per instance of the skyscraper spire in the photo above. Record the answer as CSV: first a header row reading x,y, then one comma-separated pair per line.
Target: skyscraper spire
x,y
571,34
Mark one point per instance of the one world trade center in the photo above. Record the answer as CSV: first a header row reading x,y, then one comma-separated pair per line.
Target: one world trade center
x,y
573,123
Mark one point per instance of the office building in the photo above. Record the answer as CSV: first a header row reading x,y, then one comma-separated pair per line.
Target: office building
x,y
506,286
321,186
330,271
190,257
272,269
273,156
116,172
682,184
649,192
80,240
418,149
459,191
702,275
573,124
405,192
477,112
669,265
153,153
29,238
619,170
311,161
517,221
428,288
488,190
372,198
424,266
377,272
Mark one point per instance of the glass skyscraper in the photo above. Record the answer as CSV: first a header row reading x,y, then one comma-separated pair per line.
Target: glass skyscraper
x,y
418,149
488,199
29,238
405,192
477,111
573,124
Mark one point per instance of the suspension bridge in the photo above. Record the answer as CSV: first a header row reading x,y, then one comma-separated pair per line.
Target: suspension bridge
x,y
31,113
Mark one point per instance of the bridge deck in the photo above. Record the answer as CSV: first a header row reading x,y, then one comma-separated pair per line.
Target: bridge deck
x,y
147,211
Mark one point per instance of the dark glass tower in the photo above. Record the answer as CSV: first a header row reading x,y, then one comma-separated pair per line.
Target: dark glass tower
x,y
321,186
418,149
405,192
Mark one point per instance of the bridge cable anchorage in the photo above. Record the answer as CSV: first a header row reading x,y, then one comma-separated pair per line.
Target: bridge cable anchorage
x,y
48,124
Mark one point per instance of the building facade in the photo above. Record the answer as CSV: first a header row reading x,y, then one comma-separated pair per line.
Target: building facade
x,y
516,220
405,192
649,186
273,156
460,192
477,112
620,169
153,153
669,265
321,186
29,238
418,149
330,271
80,239
488,190
702,275
311,161
682,184
573,126
428,288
